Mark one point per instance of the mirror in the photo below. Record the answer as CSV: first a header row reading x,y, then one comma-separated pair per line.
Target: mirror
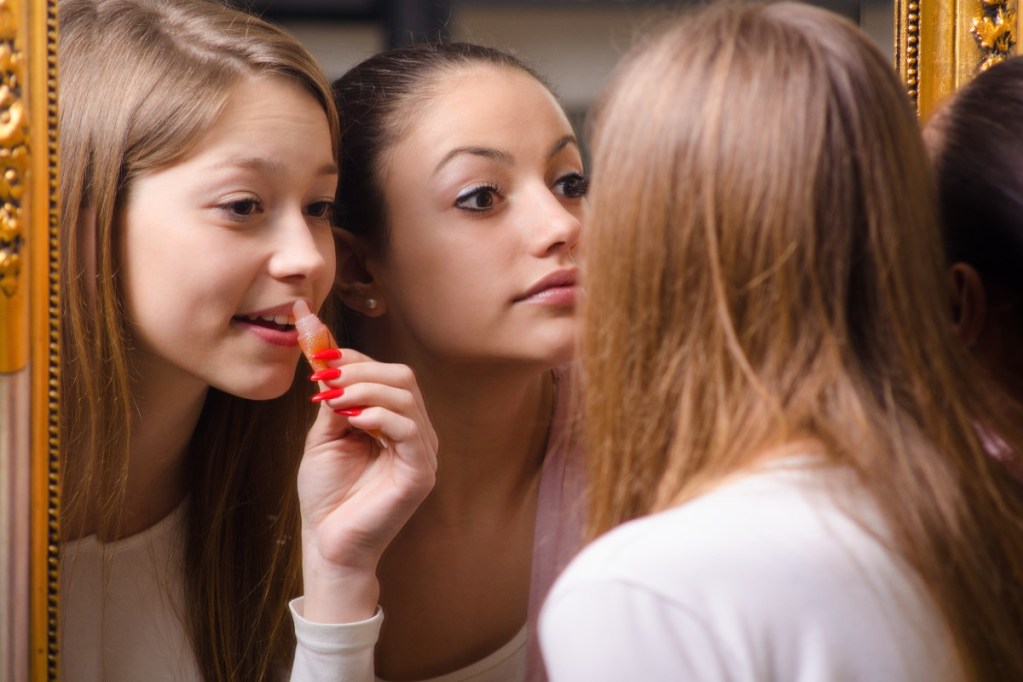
x,y
938,46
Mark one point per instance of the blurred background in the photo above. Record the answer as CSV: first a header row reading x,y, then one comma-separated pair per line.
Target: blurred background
x,y
574,43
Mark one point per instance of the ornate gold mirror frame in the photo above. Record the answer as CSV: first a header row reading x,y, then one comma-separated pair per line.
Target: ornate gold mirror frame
x,y
938,46
29,340
942,44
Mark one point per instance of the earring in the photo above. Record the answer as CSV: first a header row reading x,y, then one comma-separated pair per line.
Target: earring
x,y
371,303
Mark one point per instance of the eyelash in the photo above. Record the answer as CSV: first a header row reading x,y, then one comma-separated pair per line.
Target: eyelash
x,y
318,210
230,208
578,182
477,191
327,208
572,186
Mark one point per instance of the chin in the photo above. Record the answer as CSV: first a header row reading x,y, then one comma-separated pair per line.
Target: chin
x,y
269,388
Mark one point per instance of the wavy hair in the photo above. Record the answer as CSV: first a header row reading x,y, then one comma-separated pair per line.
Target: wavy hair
x,y
140,82
764,226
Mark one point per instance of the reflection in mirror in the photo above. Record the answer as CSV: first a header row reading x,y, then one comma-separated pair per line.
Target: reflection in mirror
x,y
197,172
938,46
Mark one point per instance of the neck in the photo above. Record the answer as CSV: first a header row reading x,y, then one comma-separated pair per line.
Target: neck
x,y
166,411
493,428
161,432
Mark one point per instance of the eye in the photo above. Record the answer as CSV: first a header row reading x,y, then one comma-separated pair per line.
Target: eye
x,y
321,210
478,199
242,208
572,186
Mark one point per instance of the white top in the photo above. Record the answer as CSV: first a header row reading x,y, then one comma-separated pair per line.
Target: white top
x,y
120,607
121,616
763,578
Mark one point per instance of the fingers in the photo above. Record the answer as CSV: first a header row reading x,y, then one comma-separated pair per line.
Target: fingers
x,y
380,398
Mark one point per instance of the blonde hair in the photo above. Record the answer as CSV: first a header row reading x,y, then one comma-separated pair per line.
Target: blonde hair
x,y
140,82
764,230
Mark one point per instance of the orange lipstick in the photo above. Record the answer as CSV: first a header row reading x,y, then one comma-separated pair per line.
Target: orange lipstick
x,y
314,337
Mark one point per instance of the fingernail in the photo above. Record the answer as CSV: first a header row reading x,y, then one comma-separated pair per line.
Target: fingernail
x,y
350,412
329,394
325,374
327,354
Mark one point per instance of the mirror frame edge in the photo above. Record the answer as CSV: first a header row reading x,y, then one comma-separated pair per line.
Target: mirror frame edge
x,y
41,34
941,44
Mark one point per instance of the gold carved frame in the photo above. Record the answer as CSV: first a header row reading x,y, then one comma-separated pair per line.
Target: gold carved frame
x,y
942,44
938,46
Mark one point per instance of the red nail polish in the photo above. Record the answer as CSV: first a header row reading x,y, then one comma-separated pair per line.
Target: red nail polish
x,y
350,412
327,354
325,374
329,394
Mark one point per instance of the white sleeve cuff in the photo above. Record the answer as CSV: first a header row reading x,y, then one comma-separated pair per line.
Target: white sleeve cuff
x,y
339,652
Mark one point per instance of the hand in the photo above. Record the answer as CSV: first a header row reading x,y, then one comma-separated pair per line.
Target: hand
x,y
356,490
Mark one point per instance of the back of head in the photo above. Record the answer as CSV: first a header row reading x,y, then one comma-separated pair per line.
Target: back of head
x,y
141,81
377,101
978,158
763,225
759,229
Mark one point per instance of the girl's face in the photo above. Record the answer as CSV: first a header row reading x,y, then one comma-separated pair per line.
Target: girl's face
x,y
218,247
484,196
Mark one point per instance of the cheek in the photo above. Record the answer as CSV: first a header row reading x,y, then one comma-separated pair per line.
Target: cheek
x,y
327,247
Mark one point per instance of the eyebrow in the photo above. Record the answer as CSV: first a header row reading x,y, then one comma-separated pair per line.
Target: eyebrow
x,y
499,155
561,144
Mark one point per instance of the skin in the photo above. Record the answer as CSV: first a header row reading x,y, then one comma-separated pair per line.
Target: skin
x,y
238,230
484,200
989,324
239,227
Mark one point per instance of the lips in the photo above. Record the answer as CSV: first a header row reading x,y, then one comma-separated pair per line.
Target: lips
x,y
562,281
275,325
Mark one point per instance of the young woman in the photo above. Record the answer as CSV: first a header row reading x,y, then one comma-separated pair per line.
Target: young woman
x,y
772,382
197,182
460,200
975,141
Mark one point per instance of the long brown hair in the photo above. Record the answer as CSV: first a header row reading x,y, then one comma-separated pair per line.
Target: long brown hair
x,y
140,81
769,267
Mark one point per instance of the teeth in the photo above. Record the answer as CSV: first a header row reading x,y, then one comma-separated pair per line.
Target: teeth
x,y
276,319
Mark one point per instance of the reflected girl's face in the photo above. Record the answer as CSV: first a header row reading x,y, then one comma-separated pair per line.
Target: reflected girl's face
x,y
484,196
218,246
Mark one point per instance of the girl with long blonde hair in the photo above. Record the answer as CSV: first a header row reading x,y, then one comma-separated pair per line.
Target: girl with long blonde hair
x,y
772,382
197,179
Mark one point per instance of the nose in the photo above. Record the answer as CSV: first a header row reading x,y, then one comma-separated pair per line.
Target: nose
x,y
303,248
556,226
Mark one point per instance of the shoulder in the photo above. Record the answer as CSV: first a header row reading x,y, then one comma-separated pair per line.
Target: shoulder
x,y
758,566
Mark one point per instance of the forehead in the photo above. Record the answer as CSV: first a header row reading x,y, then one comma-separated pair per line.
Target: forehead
x,y
485,101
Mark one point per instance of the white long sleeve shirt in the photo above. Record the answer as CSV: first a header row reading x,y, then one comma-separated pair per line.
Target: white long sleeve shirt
x,y
766,578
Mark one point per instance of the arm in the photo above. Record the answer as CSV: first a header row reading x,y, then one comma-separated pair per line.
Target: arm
x,y
356,493
339,653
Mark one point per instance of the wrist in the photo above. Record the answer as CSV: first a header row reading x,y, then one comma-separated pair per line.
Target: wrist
x,y
335,593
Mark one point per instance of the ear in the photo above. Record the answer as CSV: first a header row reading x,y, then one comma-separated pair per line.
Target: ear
x,y
969,302
354,281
